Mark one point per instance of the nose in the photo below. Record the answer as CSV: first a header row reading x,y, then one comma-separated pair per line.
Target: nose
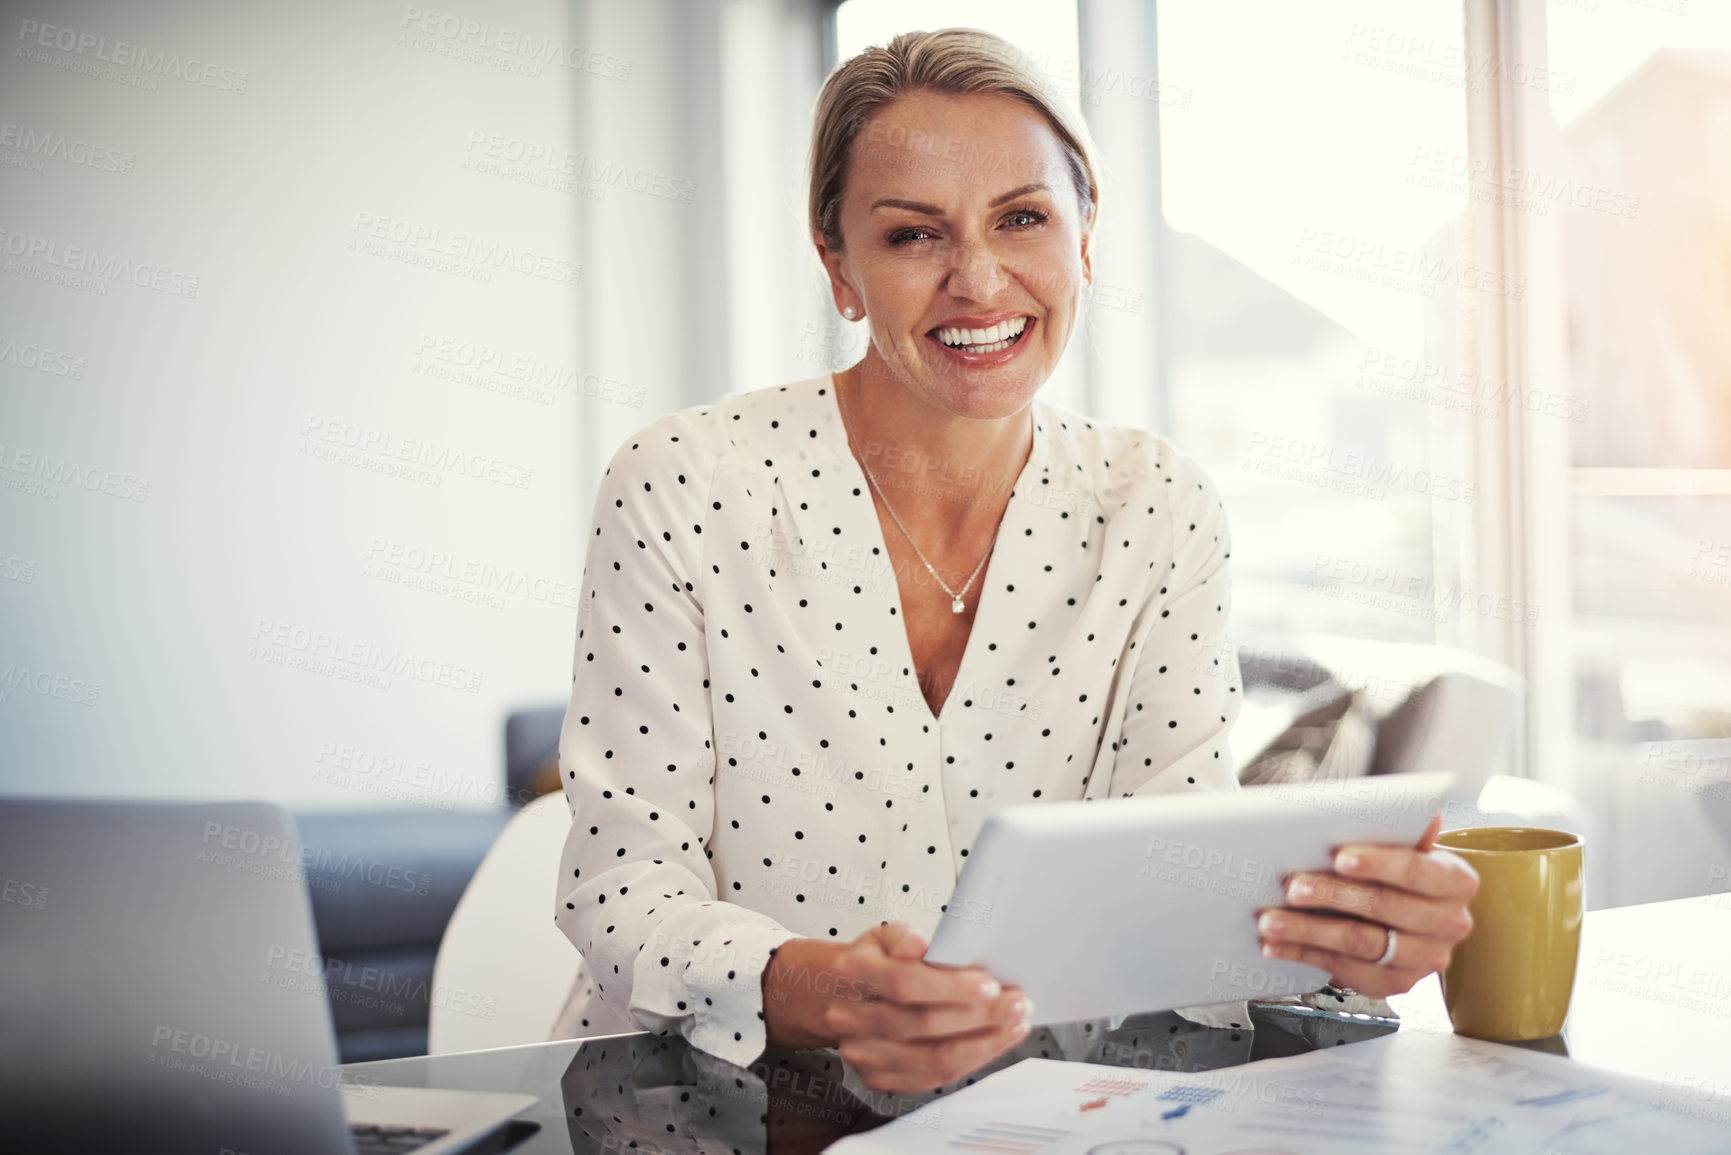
x,y
976,272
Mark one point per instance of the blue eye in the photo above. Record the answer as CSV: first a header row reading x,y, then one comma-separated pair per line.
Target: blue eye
x,y
1017,219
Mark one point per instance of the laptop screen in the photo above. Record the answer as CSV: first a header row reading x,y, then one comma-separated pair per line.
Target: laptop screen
x,y
161,984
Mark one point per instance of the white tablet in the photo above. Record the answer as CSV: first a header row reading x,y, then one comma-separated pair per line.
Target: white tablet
x,y
1145,904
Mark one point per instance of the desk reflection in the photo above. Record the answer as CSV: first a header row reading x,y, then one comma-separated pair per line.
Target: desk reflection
x,y
649,1093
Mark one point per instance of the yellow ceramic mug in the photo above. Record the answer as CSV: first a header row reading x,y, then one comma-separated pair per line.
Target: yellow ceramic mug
x,y
1512,977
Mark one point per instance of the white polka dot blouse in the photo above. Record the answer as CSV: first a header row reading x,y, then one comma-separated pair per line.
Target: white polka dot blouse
x,y
747,753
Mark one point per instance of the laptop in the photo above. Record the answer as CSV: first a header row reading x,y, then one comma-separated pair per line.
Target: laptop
x,y
161,991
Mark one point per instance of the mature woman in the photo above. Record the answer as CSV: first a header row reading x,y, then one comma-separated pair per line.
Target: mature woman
x,y
828,627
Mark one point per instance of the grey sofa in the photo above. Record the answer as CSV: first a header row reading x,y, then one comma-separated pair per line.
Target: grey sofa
x,y
383,884
1427,708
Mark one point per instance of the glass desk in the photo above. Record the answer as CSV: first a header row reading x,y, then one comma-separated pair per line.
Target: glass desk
x,y
1652,998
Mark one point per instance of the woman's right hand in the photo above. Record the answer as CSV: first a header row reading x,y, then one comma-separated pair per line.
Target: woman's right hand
x,y
902,1023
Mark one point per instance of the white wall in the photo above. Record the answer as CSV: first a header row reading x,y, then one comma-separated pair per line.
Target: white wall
x,y
696,296
286,231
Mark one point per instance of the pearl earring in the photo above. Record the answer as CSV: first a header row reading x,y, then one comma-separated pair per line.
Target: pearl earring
x,y
850,312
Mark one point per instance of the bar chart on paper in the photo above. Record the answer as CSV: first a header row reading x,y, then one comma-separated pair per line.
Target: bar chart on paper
x,y
1094,1094
1418,1093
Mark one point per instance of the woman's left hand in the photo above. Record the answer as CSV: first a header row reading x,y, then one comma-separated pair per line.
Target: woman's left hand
x,y
1418,893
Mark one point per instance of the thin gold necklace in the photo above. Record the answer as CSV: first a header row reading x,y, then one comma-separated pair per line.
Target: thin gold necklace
x,y
956,605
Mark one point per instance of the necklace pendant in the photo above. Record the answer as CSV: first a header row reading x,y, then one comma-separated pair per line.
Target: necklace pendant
x,y
956,606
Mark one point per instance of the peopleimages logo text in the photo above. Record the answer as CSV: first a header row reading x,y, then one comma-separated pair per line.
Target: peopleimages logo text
x,y
1359,467
43,143
45,467
125,54
415,451
362,656
514,42
438,241
227,845
91,262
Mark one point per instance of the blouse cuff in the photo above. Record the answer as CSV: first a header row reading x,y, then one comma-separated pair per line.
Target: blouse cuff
x,y
711,991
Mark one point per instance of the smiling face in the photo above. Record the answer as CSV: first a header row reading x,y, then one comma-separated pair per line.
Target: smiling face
x,y
965,245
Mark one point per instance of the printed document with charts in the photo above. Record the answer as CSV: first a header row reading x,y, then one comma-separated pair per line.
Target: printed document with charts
x,y
1412,1091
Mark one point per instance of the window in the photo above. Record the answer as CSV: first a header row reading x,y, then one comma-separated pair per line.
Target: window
x,y
1311,255
1641,194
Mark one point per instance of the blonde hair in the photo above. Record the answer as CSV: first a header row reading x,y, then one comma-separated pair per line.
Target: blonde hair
x,y
950,61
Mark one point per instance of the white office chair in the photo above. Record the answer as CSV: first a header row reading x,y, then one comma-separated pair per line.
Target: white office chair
x,y
504,970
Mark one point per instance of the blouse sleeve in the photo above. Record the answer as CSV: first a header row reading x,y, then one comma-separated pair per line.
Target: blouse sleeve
x,y
636,893
1185,690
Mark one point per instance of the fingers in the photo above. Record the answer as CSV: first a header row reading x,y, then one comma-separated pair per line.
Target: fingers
x,y
1435,873
909,998
927,1021
904,941
1349,940
919,1065
1366,978
1377,903
921,1025
1341,922
889,960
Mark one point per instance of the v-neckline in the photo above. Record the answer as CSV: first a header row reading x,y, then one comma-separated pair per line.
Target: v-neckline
x,y
841,450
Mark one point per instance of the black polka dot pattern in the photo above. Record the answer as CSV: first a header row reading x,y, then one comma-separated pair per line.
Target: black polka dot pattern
x,y
748,755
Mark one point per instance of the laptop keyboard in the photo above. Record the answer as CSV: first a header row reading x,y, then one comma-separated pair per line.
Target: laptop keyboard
x,y
371,1140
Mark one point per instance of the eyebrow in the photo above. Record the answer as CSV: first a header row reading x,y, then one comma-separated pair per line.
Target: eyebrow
x,y
935,211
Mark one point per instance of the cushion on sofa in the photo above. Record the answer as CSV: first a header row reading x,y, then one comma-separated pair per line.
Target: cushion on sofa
x,y
1331,736
531,750
1456,722
388,878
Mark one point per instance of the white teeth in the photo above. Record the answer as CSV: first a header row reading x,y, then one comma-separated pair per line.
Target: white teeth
x,y
998,336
